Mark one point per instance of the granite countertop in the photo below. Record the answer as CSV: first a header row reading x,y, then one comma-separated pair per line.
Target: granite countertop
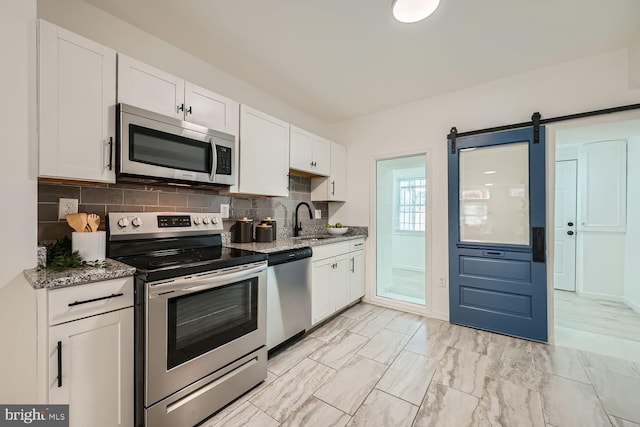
x,y
286,243
110,269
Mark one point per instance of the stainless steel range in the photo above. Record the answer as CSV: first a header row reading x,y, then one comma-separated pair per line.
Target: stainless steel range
x,y
200,315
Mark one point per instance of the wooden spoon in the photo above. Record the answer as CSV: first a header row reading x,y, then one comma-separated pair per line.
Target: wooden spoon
x,y
93,222
77,221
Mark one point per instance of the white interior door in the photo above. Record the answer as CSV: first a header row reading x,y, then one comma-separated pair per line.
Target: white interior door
x,y
564,267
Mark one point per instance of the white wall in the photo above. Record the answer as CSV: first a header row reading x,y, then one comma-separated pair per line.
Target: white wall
x,y
593,83
634,63
632,243
18,223
93,23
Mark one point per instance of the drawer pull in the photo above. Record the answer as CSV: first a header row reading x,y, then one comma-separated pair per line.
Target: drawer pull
x,y
59,364
95,299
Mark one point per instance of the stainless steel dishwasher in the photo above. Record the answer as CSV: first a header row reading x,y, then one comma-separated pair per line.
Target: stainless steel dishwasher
x,y
288,295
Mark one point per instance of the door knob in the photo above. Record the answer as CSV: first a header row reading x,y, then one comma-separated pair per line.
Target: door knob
x,y
570,224
570,233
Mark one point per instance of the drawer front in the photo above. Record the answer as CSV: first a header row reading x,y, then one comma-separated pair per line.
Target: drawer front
x,y
76,302
356,245
331,250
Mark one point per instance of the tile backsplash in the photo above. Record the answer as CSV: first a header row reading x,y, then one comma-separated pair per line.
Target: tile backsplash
x,y
104,198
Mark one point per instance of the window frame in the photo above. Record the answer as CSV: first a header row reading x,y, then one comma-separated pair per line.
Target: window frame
x,y
399,205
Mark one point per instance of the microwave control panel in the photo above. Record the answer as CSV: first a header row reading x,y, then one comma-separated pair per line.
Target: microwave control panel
x,y
223,166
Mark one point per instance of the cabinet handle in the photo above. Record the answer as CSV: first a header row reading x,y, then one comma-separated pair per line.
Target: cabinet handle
x,y
353,265
94,299
189,111
288,182
180,107
59,364
333,188
110,153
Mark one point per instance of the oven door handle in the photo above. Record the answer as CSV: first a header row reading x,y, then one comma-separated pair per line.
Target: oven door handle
x,y
195,284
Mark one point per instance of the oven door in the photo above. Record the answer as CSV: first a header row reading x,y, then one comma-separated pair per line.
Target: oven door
x,y
197,325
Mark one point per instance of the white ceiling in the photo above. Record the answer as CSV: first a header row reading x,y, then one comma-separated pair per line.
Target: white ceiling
x,y
336,59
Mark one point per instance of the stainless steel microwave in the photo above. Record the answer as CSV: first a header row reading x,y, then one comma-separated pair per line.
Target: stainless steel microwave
x,y
151,147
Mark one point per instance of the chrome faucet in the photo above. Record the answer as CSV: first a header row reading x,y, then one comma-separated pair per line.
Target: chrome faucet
x,y
297,227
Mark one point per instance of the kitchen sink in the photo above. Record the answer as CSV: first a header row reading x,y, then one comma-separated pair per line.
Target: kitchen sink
x,y
312,238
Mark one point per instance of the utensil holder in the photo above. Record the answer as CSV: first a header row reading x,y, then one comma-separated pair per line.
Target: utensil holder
x,y
91,246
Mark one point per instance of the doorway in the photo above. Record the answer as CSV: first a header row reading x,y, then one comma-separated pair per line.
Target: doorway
x,y
596,296
401,225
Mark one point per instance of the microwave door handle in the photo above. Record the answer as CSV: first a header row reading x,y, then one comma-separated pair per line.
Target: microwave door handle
x,y
214,159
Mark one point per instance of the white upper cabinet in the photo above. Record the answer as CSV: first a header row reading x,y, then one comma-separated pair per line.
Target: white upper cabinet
x,y
147,87
264,154
309,153
76,106
603,176
334,187
207,108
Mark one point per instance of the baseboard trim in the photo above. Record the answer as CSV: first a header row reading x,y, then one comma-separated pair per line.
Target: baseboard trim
x,y
597,295
634,306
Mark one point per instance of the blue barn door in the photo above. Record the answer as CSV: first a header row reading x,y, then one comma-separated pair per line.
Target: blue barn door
x,y
497,255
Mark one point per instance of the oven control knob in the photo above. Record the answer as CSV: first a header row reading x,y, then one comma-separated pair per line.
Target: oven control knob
x,y
214,220
206,220
137,222
123,222
196,220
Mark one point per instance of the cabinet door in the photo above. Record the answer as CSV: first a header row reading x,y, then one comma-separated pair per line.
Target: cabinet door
x,y
356,275
76,105
207,108
147,87
603,178
338,179
97,369
340,282
321,306
264,154
300,150
321,156
334,187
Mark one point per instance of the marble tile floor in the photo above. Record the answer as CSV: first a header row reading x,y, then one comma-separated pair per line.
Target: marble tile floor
x,y
600,326
598,316
375,367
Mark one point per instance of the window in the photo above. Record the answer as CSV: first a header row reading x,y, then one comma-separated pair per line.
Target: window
x,y
411,204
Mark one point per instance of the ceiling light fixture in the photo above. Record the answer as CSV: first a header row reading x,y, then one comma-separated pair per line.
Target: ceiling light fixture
x,y
410,11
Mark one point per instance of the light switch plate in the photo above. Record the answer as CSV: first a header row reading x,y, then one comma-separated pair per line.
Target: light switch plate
x,y
318,214
224,210
66,207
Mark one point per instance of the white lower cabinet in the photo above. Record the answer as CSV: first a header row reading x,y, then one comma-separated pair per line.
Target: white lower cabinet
x,y
356,275
337,278
88,362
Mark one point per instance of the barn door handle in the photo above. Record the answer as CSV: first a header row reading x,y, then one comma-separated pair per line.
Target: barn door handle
x,y
537,233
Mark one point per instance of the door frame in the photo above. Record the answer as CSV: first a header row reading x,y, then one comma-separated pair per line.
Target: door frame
x,y
371,270
551,129
576,256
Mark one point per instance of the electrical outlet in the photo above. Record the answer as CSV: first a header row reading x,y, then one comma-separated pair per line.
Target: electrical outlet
x,y
443,282
224,210
66,207
318,214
